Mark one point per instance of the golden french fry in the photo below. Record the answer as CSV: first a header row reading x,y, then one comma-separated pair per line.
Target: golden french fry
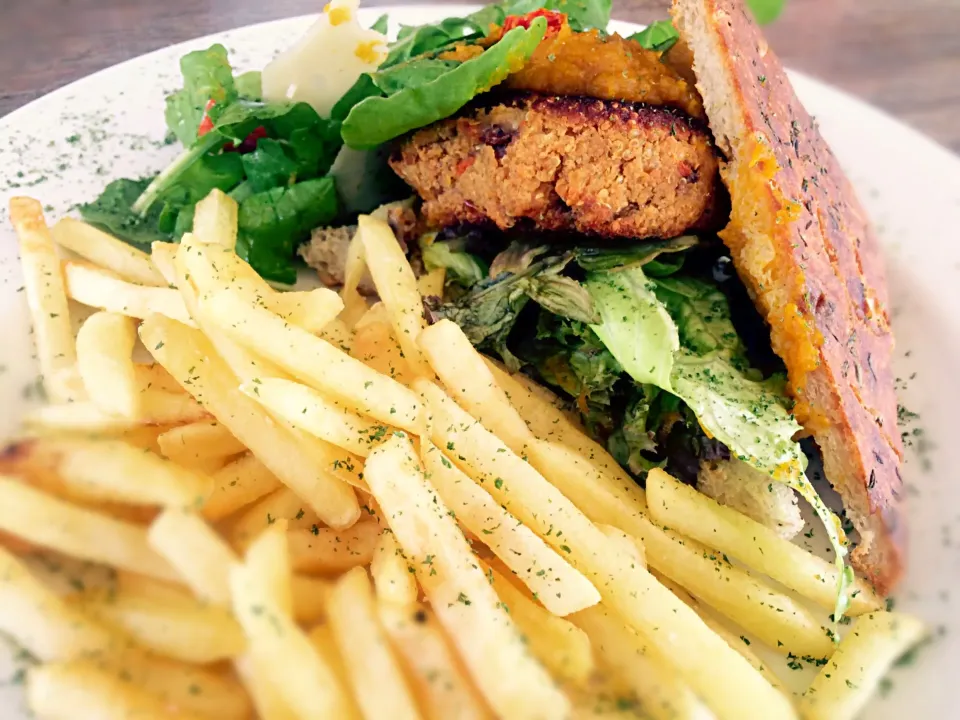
x,y
47,521
560,588
268,558
512,681
366,653
91,286
730,686
704,519
282,651
392,575
60,691
280,505
338,334
431,284
323,641
267,700
41,622
375,346
105,361
844,685
629,659
325,551
163,255
309,595
215,219
152,376
78,417
314,310
47,299
627,544
438,681
200,556
182,628
243,481
397,286
310,411
190,358
108,252
313,361
115,471
562,647
354,305
200,440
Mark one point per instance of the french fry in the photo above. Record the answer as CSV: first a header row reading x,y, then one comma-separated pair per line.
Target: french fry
x,y
200,556
313,310
375,346
181,628
267,700
598,705
561,646
730,686
397,286
280,505
158,407
629,659
47,299
309,596
560,588
200,440
190,358
772,616
41,622
705,520
91,286
626,544
243,481
439,683
105,361
314,361
215,219
108,252
78,417
431,283
512,681
310,411
268,558
163,255
325,551
114,471
354,305
338,334
60,690
324,642
152,376
282,651
844,685
366,652
49,522
392,574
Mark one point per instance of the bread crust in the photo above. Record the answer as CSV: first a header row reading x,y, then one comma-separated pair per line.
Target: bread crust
x,y
805,248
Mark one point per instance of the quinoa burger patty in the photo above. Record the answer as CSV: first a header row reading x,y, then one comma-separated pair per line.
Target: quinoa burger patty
x,y
607,168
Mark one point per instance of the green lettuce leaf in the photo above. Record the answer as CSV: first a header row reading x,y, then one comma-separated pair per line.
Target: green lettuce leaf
x,y
659,36
113,213
249,85
207,75
271,224
683,346
268,166
462,267
377,120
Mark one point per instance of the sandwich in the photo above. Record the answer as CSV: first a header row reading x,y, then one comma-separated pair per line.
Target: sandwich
x,y
653,228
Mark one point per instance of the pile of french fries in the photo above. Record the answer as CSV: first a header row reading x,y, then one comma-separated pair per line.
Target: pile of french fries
x,y
314,507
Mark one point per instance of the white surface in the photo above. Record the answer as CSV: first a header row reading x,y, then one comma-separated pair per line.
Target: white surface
x,y
66,146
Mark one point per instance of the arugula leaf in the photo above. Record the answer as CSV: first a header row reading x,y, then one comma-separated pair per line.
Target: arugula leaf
x,y
748,415
382,24
411,74
112,212
268,166
207,75
659,36
271,224
584,14
363,88
378,119
413,41
462,267
766,11
249,85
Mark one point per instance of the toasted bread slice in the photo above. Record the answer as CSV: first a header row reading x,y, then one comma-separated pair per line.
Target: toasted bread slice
x,y
803,245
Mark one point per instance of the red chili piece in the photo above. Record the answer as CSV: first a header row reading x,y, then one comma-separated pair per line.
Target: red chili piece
x,y
555,20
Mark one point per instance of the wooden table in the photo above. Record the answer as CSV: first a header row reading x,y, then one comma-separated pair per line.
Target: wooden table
x,y
901,56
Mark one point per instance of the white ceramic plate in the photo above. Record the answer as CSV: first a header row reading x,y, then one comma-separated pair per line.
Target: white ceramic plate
x,y
66,146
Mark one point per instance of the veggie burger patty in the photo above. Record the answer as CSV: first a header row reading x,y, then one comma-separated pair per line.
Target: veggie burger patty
x,y
604,167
